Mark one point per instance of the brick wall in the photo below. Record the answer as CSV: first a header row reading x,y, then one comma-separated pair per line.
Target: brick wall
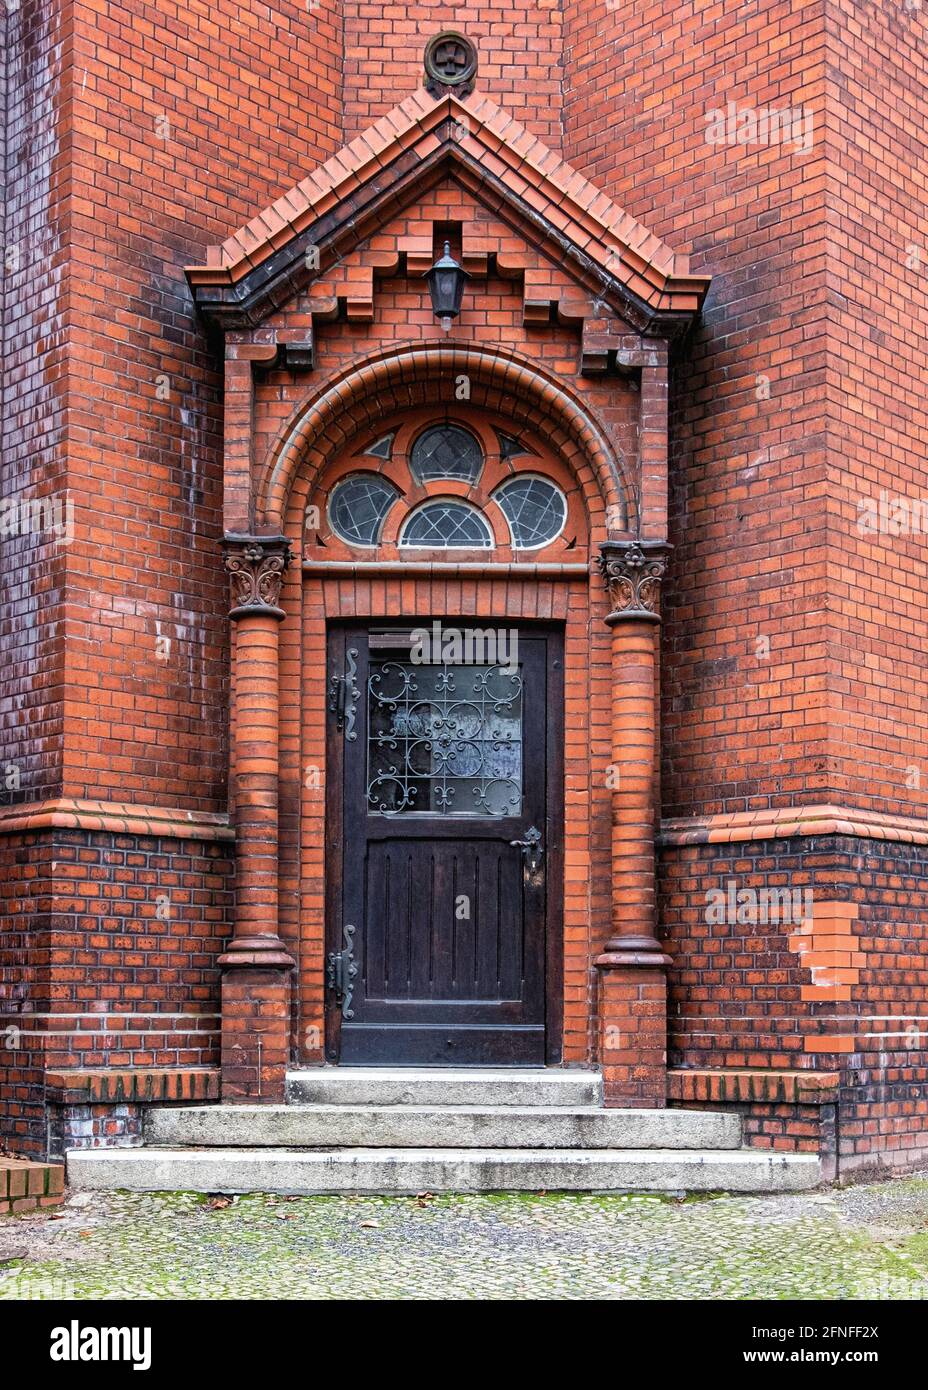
x,y
108,946
520,50
25,922
877,423
186,119
773,996
33,376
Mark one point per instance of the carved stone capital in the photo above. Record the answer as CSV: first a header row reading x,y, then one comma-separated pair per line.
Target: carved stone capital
x,y
632,572
257,565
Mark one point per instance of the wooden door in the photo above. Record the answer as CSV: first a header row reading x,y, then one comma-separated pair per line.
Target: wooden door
x,y
444,813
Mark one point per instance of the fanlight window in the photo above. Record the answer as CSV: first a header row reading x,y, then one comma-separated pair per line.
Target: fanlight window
x,y
444,523
358,506
535,509
446,451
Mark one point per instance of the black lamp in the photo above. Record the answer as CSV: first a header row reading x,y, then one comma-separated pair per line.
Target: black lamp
x,y
446,286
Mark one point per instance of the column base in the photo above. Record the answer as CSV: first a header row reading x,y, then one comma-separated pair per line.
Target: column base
x,y
255,1033
633,1031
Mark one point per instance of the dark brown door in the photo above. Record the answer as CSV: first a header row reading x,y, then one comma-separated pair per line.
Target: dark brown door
x,y
444,814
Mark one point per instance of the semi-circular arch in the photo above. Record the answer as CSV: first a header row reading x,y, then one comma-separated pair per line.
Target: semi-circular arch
x,y
406,376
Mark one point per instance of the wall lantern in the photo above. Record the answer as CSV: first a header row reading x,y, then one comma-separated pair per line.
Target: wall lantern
x,y
446,286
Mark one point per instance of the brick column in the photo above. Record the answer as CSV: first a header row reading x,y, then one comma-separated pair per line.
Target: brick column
x,y
256,966
632,966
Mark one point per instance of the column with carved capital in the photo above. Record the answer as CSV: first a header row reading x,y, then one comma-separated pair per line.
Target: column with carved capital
x,y
256,966
632,965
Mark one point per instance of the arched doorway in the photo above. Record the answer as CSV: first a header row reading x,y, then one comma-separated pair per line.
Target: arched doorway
x,y
503,513
444,776
467,527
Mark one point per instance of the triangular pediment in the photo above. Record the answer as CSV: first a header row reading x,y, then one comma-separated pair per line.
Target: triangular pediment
x,y
423,140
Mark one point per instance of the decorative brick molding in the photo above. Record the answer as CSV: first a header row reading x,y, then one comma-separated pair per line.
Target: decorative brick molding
x,y
25,1185
399,377
728,1085
123,818
785,821
146,1086
650,283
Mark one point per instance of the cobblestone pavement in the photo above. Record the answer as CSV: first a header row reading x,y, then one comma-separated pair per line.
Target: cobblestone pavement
x,y
863,1242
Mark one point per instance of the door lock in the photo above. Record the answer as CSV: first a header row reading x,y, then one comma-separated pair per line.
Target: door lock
x,y
532,849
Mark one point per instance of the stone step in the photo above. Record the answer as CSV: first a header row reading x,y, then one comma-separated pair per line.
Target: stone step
x,y
440,1127
444,1086
409,1171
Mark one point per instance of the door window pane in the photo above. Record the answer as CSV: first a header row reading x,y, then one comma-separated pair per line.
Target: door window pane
x,y
445,740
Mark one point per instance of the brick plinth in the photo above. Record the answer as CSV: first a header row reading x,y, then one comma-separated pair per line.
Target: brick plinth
x,y
255,1034
633,1035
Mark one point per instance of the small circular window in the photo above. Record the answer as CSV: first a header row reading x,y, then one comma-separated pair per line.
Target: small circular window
x,y
446,451
535,509
358,506
444,523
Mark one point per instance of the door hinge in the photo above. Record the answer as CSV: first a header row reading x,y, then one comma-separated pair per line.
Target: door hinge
x,y
344,695
341,973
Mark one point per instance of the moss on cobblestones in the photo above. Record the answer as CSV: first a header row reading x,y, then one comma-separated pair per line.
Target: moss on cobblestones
x,y
861,1243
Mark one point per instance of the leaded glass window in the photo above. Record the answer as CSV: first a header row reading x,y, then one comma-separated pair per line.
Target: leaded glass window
x,y
535,509
446,524
446,451
444,739
358,506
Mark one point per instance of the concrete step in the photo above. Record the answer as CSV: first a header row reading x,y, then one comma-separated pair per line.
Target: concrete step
x,y
440,1127
444,1086
402,1171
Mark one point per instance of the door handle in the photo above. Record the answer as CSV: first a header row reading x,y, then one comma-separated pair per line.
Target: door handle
x,y
532,849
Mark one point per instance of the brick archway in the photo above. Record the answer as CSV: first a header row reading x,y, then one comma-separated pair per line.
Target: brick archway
x,y
612,997
412,374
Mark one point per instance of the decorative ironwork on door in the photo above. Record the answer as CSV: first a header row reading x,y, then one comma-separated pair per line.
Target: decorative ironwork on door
x,y
444,739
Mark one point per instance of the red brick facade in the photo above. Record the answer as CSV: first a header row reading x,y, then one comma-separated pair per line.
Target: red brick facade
x,y
216,224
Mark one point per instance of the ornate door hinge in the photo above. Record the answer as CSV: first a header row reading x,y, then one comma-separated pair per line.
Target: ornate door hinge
x,y
344,695
341,973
